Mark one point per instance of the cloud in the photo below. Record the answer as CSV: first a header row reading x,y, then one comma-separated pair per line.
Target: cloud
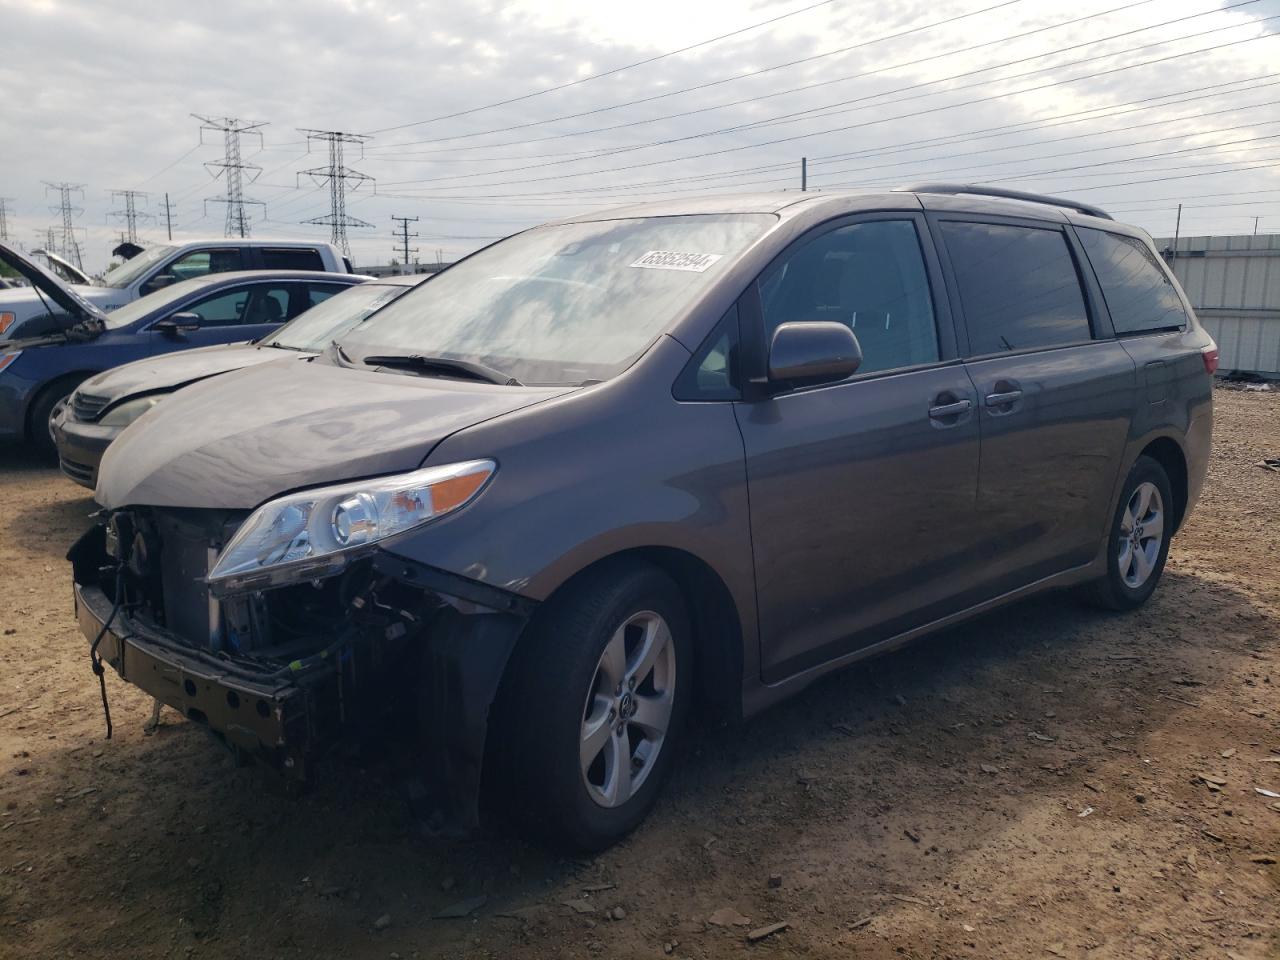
x,y
102,96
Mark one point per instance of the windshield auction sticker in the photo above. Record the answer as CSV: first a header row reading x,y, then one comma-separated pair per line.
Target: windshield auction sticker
x,y
671,260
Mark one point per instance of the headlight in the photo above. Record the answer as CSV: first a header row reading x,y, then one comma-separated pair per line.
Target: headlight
x,y
315,533
130,411
8,358
6,321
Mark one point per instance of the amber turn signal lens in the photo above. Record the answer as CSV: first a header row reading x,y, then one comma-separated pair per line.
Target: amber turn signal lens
x,y
456,491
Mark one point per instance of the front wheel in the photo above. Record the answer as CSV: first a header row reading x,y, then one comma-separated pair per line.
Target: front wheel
x,y
1138,541
43,410
596,704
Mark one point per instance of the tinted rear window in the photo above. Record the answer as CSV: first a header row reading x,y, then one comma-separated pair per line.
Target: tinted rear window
x,y
1018,286
291,259
1139,294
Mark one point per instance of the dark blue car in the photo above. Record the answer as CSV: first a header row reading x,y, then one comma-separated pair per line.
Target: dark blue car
x,y
38,373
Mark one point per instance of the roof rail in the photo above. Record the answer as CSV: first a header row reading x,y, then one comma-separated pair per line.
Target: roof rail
x,y
980,191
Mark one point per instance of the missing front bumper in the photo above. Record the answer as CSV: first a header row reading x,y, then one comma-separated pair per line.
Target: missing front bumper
x,y
444,678
271,719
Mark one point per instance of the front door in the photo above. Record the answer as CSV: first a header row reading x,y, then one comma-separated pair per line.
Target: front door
x,y
862,492
1056,393
243,312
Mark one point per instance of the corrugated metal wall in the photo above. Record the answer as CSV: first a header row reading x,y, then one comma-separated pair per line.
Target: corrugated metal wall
x,y
1234,284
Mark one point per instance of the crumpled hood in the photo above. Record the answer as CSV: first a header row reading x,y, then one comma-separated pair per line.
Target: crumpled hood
x,y
234,441
169,371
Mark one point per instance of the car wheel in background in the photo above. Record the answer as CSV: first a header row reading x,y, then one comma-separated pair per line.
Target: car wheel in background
x,y
43,408
1138,541
594,705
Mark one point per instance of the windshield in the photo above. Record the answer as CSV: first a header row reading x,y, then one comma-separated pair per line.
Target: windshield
x,y
566,303
137,309
123,275
325,321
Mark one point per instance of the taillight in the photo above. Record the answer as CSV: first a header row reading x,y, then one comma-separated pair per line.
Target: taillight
x,y
1210,357
6,321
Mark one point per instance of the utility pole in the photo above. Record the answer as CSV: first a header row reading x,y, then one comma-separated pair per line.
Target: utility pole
x,y
338,175
232,168
1177,231
69,246
402,238
1255,223
804,174
129,214
168,214
4,217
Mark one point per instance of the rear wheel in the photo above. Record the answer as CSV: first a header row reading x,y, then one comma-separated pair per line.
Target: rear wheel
x,y
1138,542
596,705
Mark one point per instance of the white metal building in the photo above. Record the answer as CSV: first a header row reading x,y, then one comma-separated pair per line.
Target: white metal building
x,y
1234,284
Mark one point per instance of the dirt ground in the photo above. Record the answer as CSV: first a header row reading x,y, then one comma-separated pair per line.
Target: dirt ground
x,y
1032,784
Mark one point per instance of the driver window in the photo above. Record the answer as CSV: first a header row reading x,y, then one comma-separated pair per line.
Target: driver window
x,y
220,310
869,276
201,262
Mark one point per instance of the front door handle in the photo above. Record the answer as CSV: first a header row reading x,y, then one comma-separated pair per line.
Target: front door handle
x,y
1004,398
944,410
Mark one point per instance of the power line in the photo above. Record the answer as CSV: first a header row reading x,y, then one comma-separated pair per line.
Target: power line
x,y
232,168
613,71
1084,150
854,126
67,246
812,113
402,237
804,87
130,215
170,166
337,174
950,140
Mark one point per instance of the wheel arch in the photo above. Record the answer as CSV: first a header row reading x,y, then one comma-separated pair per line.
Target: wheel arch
x,y
1167,452
718,648
35,396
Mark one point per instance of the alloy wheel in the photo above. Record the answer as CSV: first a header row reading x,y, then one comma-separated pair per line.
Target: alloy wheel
x,y
628,709
1141,535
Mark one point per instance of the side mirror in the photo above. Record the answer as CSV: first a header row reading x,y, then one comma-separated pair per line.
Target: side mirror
x,y
177,323
159,281
809,353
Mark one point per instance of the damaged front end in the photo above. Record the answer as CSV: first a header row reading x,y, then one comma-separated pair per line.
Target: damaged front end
x,y
281,673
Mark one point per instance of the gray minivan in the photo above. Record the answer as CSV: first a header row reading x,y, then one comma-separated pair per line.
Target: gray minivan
x,y
692,453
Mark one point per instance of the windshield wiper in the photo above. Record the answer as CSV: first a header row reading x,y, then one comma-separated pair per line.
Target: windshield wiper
x,y
447,365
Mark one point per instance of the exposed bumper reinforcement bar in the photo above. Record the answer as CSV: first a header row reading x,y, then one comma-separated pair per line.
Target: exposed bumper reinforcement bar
x,y
268,718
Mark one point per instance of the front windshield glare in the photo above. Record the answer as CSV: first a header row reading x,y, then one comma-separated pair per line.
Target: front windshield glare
x,y
123,275
326,321
566,303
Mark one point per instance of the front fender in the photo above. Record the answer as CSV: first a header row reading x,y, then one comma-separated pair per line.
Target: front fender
x,y
611,468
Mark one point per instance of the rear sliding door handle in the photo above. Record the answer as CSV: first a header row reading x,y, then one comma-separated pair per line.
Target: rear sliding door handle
x,y
942,411
1003,399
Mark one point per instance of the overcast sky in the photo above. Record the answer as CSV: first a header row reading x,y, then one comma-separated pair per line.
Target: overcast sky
x,y
1120,107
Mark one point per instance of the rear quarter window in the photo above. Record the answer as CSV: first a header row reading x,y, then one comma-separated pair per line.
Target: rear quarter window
x,y
291,258
1139,294
1018,286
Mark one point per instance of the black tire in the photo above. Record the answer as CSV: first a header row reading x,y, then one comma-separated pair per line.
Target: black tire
x,y
545,701
1112,591
41,409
